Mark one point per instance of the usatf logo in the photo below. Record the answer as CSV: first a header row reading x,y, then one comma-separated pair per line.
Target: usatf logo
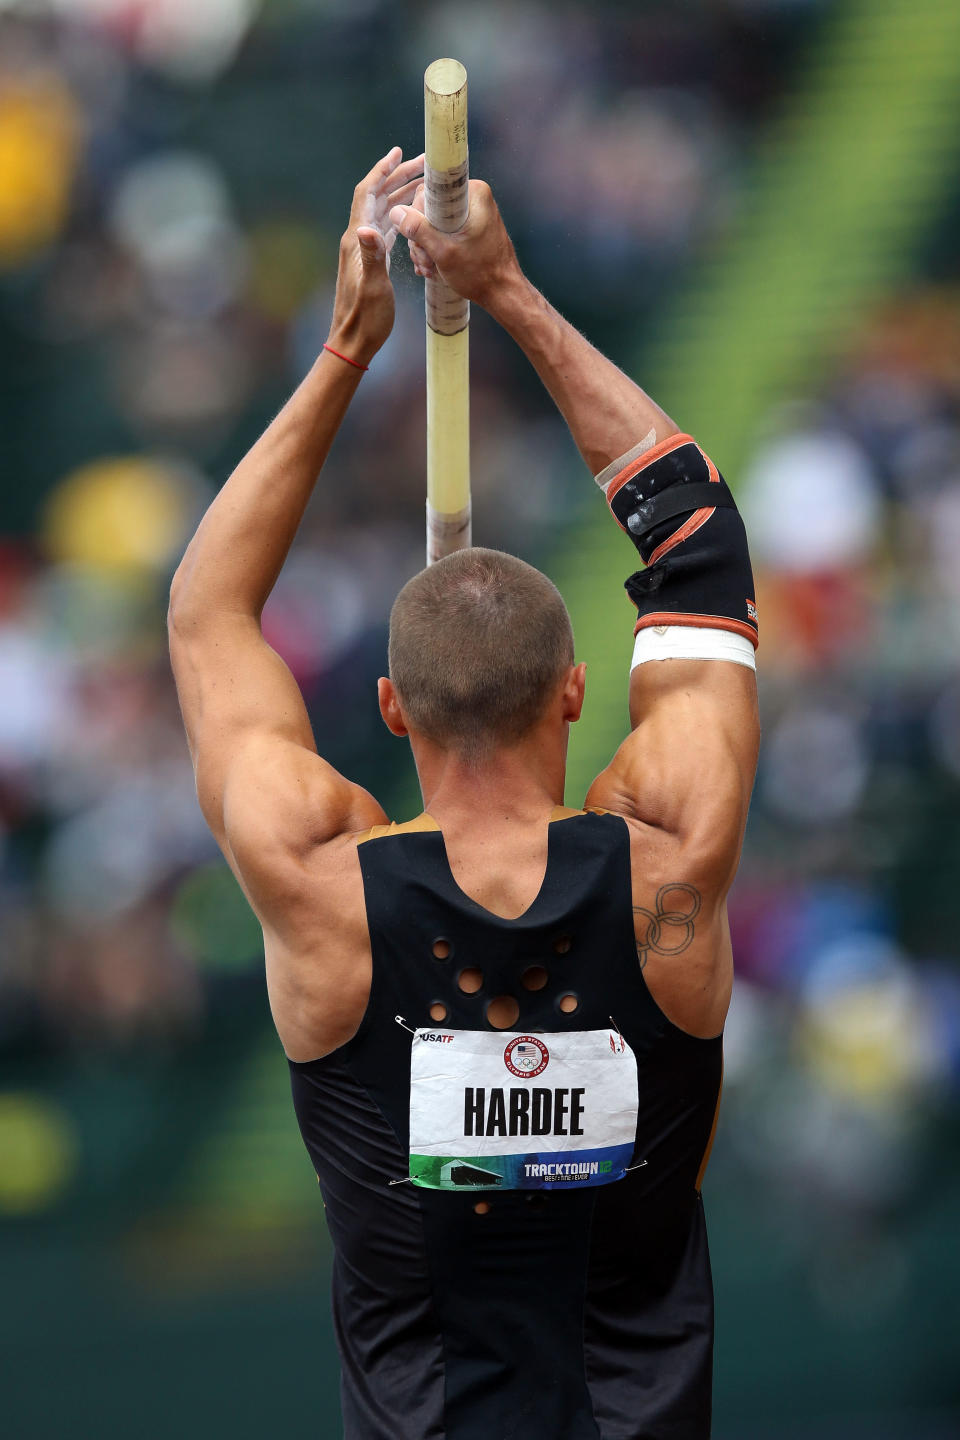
x,y
434,1037
526,1056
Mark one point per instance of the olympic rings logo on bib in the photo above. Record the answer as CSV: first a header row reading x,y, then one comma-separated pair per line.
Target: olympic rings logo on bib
x,y
526,1056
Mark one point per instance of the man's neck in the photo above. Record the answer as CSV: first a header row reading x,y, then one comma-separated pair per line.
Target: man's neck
x,y
518,782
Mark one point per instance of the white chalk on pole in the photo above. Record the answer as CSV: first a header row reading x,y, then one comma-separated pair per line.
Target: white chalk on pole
x,y
446,205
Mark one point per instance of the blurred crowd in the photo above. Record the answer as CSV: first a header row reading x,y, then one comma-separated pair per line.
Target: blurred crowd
x,y
845,914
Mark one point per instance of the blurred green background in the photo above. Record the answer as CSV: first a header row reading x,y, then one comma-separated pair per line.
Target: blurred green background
x,y
753,205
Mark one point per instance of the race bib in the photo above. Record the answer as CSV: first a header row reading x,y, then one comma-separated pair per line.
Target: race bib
x,y
521,1112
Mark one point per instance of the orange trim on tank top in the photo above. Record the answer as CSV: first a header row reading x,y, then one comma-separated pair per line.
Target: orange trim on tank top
x,y
426,822
405,827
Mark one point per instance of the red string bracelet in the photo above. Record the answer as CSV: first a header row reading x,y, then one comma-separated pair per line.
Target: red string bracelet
x,y
355,363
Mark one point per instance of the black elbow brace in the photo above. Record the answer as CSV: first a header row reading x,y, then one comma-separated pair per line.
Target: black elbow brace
x,y
676,507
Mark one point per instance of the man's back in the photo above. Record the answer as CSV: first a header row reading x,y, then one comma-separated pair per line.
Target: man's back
x,y
538,1303
573,1299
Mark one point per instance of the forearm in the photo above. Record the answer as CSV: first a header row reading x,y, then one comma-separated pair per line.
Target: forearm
x,y
608,414
233,560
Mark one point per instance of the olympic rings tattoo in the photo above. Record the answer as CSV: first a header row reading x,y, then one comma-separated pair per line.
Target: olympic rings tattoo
x,y
680,919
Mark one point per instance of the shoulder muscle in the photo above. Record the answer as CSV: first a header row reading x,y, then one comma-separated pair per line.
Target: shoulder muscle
x,y
281,804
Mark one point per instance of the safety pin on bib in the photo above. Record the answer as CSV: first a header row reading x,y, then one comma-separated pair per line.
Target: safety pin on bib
x,y
640,1163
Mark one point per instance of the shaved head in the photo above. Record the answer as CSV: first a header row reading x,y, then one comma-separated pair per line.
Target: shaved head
x,y
479,642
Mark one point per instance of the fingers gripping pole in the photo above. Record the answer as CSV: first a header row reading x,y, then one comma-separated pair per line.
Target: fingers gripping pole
x,y
448,316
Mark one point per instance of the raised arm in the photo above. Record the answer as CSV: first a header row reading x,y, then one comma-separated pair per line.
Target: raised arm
x,y
260,781
608,414
684,774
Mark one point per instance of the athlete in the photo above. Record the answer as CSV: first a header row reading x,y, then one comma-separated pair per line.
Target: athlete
x,y
503,1018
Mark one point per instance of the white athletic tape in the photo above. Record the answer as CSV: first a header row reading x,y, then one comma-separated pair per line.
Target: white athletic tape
x,y
446,533
691,642
447,204
611,471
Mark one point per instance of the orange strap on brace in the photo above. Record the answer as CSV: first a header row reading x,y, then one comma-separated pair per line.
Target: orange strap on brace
x,y
678,511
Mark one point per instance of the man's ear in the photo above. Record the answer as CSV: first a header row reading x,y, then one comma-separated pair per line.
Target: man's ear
x,y
573,691
390,707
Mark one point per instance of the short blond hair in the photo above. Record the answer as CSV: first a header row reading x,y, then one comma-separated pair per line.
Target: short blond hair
x,y
479,642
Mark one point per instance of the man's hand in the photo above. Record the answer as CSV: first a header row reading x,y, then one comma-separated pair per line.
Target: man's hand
x,y
363,308
478,262
606,412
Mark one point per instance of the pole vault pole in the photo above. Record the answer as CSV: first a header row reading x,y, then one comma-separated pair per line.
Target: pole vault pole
x,y
446,205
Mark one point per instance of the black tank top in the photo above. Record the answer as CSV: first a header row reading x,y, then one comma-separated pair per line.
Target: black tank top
x,y
567,1311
